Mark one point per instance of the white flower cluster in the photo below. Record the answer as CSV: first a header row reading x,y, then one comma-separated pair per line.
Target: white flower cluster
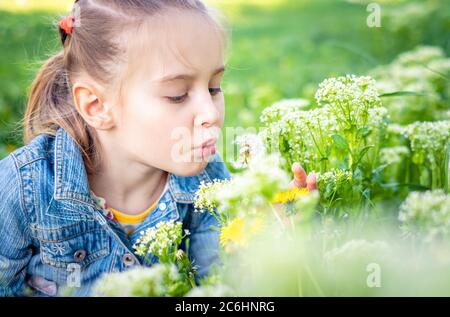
x,y
348,94
421,55
395,129
335,181
378,118
394,154
160,240
283,107
335,175
428,140
205,197
426,213
301,136
158,280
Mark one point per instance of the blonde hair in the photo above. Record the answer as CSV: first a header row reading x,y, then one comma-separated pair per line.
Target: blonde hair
x,y
93,48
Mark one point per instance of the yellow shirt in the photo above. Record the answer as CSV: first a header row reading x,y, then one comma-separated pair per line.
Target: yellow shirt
x,y
131,222
127,221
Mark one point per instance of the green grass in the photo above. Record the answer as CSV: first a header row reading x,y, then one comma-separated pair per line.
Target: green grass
x,y
280,49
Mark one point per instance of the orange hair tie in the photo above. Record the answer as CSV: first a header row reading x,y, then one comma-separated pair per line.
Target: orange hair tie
x,y
66,24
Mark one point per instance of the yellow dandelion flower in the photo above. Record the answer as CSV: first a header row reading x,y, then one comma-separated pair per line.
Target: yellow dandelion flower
x,y
290,195
239,231
234,232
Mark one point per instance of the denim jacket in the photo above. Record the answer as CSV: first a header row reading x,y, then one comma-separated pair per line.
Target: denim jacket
x,y
51,229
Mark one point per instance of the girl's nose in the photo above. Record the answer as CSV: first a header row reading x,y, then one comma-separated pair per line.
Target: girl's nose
x,y
208,112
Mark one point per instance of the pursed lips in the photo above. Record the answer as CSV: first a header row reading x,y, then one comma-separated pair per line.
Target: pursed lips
x,y
208,143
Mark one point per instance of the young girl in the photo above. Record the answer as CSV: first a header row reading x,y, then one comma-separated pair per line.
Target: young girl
x,y
103,161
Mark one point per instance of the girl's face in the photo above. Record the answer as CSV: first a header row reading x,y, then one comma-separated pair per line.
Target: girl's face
x,y
172,100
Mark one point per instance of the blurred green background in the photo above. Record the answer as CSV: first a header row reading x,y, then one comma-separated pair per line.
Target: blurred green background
x,y
279,49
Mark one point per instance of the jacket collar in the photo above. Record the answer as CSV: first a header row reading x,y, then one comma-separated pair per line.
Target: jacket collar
x,y
71,180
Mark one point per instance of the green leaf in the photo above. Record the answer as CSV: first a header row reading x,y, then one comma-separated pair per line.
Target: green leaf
x,y
367,193
362,153
403,93
380,168
340,142
363,132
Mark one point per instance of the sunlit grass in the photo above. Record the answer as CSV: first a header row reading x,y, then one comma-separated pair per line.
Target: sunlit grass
x,y
36,5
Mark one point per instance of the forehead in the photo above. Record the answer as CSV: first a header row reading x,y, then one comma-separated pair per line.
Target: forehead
x,y
178,42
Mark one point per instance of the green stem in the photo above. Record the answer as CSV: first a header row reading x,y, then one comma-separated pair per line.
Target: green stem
x,y
314,140
277,216
313,280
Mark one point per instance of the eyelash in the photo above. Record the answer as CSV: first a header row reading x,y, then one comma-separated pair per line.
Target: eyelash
x,y
180,99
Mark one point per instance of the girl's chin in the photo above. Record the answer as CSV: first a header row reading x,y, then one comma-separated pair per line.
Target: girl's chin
x,y
190,168
193,163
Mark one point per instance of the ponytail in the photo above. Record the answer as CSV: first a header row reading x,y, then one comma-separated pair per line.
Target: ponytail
x,y
48,90
50,106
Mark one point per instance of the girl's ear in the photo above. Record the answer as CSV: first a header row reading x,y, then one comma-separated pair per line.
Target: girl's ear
x,y
91,107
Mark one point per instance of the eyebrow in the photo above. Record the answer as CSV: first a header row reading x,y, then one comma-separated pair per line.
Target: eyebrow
x,y
169,78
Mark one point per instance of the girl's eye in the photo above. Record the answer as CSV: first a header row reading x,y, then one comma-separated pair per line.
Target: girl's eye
x,y
178,99
215,91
